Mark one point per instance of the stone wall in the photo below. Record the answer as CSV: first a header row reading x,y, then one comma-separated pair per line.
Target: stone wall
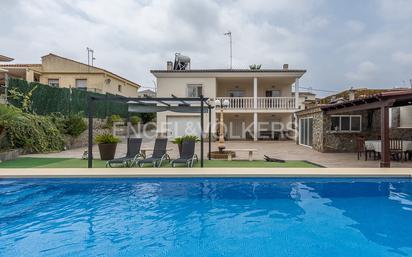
x,y
325,140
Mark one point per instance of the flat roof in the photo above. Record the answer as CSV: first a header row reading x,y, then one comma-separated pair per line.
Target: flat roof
x,y
226,70
229,72
206,172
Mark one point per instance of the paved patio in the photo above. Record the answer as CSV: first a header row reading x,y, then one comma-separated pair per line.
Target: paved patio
x,y
287,150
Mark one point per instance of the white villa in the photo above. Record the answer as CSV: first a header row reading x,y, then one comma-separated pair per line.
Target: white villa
x,y
262,102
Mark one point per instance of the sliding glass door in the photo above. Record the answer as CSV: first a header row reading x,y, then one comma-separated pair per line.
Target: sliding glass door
x,y
306,131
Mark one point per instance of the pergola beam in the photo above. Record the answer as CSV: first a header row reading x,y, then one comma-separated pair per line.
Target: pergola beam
x,y
381,102
385,155
184,102
357,107
143,101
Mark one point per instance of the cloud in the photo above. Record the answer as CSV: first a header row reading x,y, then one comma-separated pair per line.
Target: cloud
x,y
402,58
398,10
364,71
130,37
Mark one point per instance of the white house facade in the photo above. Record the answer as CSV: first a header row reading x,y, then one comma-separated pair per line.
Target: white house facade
x,y
261,103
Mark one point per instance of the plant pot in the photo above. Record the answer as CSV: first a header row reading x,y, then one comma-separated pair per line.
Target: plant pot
x,y
107,151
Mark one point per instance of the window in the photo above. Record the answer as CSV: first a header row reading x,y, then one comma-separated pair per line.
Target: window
x,y
272,93
53,82
236,93
194,90
346,123
119,88
306,131
81,84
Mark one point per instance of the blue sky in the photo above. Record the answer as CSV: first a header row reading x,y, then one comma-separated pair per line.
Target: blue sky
x,y
348,43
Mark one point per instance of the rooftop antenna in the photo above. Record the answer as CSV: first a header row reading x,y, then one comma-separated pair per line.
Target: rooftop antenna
x,y
89,50
229,34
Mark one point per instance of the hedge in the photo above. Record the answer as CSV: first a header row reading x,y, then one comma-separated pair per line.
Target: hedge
x,y
46,100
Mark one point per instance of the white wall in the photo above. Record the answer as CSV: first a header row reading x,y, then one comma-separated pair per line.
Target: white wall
x,y
178,87
406,117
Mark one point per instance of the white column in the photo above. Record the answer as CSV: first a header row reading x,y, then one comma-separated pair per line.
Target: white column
x,y
255,93
297,93
255,126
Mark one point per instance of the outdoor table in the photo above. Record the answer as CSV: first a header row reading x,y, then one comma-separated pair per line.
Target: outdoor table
x,y
229,156
376,145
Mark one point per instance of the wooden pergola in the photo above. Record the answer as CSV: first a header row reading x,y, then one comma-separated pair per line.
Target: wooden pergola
x,y
382,102
153,105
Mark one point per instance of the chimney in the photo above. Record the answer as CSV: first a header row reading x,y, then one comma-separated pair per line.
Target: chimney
x,y
285,66
169,65
351,94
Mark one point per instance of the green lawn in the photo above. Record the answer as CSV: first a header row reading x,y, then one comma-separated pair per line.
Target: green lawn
x,y
29,162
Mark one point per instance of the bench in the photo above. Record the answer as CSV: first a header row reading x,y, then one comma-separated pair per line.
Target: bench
x,y
229,157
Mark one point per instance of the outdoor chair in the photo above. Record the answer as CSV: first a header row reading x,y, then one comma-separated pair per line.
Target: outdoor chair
x,y
133,152
408,155
187,156
159,154
361,149
395,149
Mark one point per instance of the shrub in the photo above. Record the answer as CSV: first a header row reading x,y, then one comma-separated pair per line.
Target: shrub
x,y
72,125
59,121
33,133
112,119
75,125
106,139
134,120
147,117
180,140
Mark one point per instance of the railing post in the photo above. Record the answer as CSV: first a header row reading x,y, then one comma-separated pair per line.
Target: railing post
x,y
255,93
297,93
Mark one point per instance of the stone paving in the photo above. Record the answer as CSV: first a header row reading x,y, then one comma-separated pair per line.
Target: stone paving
x,y
287,150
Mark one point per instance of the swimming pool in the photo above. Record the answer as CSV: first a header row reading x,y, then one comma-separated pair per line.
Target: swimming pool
x,y
206,217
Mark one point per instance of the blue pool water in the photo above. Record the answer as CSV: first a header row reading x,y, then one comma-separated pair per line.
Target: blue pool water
x,y
206,217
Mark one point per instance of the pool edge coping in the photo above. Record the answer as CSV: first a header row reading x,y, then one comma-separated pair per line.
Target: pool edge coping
x,y
205,172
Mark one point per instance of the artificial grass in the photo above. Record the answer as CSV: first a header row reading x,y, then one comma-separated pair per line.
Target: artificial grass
x,y
31,162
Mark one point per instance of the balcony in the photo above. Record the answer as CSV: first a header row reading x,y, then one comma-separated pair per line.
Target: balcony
x,y
262,103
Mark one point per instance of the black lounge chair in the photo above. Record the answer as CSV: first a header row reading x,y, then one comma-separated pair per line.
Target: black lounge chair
x,y
270,159
133,152
159,154
187,156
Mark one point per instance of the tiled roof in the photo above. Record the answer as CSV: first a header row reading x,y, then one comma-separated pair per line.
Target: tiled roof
x,y
20,65
113,74
392,94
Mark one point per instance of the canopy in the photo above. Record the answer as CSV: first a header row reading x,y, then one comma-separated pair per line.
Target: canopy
x,y
154,105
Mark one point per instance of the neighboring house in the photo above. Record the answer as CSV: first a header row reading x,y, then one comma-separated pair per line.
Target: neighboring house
x,y
59,71
3,78
146,93
338,133
305,99
261,102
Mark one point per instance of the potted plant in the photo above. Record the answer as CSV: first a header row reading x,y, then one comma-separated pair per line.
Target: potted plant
x,y
179,140
107,146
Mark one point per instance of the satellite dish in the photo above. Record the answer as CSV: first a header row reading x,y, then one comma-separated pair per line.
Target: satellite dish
x,y
181,62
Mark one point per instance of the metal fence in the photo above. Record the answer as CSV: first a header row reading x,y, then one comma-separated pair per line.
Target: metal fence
x,y
45,99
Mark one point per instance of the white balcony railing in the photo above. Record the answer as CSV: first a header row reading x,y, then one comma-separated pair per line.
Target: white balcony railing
x,y
282,103
262,103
